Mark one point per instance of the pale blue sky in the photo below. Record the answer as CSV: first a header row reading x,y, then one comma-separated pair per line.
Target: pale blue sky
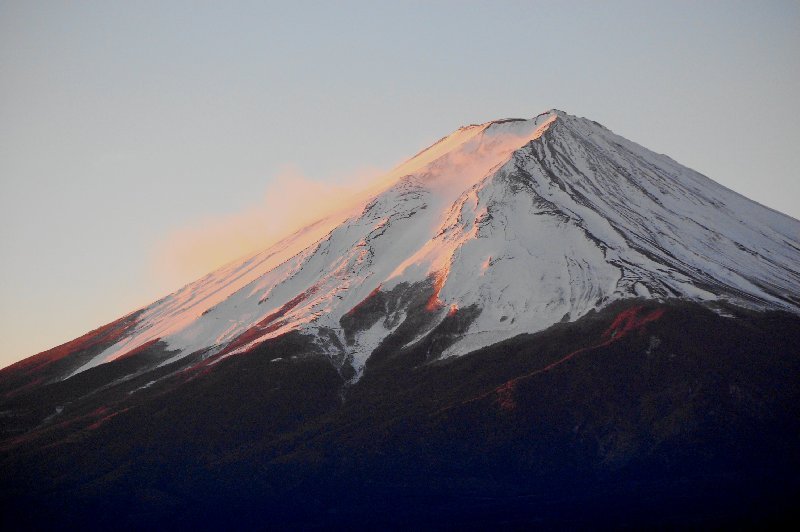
x,y
123,122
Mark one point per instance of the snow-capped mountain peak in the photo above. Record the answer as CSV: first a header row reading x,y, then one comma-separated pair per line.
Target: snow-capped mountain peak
x,y
499,228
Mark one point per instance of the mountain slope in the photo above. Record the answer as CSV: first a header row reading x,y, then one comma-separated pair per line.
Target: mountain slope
x,y
527,312
526,222
641,414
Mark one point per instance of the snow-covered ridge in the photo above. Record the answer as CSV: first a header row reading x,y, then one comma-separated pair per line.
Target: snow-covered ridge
x,y
527,221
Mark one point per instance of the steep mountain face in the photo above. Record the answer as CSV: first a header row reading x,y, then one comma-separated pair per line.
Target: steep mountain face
x,y
509,276
516,224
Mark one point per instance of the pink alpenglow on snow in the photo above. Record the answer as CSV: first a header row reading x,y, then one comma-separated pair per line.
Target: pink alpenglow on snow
x,y
528,221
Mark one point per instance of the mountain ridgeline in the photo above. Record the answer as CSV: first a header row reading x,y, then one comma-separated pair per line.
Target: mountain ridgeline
x,y
527,317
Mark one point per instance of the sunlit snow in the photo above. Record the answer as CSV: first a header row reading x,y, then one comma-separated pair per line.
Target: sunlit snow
x,y
530,221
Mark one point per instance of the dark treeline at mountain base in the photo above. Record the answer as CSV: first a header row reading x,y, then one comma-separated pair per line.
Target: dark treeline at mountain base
x,y
643,413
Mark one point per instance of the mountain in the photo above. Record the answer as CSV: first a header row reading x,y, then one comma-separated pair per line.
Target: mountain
x,y
525,316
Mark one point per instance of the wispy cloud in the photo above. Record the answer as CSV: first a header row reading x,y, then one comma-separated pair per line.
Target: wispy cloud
x,y
290,202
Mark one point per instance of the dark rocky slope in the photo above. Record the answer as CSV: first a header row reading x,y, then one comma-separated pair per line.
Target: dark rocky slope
x,y
642,413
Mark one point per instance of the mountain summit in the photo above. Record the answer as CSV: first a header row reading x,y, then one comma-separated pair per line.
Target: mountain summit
x,y
514,224
496,232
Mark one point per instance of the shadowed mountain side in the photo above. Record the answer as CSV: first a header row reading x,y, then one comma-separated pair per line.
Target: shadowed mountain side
x,y
641,413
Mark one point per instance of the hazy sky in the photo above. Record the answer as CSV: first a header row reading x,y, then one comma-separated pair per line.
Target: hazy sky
x,y
139,140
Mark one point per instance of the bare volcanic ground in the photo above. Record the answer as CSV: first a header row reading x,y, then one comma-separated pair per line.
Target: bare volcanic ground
x,y
644,413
